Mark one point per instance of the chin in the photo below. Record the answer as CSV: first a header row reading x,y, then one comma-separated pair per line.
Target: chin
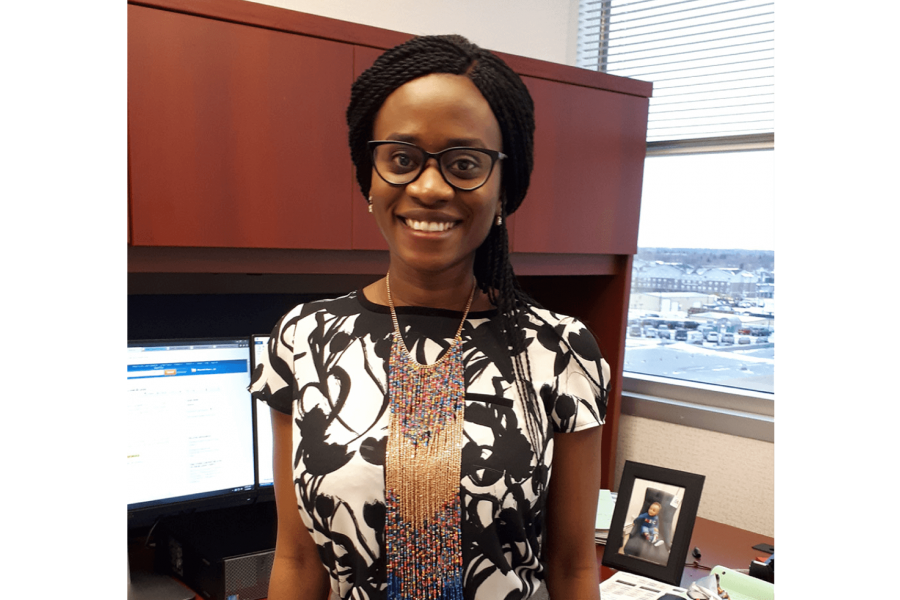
x,y
433,264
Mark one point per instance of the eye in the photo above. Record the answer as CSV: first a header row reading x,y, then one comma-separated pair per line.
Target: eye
x,y
466,163
403,160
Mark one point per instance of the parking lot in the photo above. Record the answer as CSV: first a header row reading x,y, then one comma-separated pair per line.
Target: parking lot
x,y
749,366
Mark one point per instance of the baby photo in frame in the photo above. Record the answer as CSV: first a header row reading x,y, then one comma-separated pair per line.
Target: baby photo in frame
x,y
653,521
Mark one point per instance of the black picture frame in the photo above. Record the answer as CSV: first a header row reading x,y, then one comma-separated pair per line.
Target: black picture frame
x,y
653,545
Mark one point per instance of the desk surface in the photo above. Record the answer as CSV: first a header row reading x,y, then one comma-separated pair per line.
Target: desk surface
x,y
719,544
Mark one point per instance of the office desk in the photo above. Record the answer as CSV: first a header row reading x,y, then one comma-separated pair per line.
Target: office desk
x,y
719,544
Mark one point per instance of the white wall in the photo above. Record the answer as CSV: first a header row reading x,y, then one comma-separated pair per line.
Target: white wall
x,y
739,488
543,29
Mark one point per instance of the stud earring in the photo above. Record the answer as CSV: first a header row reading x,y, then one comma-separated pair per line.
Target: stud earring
x,y
370,203
499,221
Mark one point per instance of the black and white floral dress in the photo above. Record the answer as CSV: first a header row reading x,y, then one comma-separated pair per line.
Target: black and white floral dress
x,y
327,366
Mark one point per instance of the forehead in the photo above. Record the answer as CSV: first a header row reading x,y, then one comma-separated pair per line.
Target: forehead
x,y
437,111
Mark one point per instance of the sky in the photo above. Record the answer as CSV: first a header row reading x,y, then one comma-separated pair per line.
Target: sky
x,y
722,201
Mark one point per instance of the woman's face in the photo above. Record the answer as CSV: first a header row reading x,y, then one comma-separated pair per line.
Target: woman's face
x,y
436,112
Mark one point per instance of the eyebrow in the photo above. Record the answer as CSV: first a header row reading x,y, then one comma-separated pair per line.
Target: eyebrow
x,y
451,143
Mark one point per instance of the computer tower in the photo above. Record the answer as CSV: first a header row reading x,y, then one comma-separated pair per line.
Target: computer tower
x,y
222,555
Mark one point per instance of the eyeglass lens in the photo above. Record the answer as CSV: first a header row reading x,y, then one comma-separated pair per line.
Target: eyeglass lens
x,y
465,168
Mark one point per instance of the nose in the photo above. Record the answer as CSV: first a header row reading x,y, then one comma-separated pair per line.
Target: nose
x,y
430,187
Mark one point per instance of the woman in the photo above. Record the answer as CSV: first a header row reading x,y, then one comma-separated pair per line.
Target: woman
x,y
417,418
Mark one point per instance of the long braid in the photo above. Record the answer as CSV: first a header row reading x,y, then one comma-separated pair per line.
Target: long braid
x,y
495,275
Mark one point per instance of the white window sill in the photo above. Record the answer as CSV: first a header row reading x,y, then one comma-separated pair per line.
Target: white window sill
x,y
731,411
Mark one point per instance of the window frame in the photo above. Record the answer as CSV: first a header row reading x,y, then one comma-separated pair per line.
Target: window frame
x,y
732,411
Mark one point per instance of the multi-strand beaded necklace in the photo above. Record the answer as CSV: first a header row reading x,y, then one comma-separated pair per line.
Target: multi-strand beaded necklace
x,y
422,525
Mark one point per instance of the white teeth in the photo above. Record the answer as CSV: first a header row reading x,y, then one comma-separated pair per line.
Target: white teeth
x,y
426,226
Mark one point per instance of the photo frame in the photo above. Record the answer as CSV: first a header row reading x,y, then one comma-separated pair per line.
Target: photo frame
x,y
653,521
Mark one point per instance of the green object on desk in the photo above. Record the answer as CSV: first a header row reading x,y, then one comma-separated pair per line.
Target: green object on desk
x,y
605,506
743,587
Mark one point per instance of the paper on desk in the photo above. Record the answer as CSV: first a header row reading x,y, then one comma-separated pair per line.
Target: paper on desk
x,y
625,586
605,506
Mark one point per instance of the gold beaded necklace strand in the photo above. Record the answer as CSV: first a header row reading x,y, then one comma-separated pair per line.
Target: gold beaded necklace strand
x,y
422,467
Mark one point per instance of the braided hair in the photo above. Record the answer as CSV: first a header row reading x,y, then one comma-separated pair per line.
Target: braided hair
x,y
513,108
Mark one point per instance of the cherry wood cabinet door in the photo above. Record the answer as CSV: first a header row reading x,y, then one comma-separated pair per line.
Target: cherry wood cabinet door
x,y
237,135
585,190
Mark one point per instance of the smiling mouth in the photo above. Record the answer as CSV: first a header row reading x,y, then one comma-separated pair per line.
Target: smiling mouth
x,y
429,226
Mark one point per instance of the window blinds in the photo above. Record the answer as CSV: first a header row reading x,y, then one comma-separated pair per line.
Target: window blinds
x,y
711,62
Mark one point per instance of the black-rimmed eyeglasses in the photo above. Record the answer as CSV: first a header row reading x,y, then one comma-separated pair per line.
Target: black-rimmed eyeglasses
x,y
465,169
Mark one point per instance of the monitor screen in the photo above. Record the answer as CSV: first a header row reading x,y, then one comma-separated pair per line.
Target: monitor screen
x,y
263,422
189,423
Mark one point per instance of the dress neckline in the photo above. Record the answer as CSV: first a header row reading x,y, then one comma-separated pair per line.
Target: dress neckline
x,y
422,310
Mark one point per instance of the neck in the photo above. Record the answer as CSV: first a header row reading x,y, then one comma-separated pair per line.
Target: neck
x,y
449,290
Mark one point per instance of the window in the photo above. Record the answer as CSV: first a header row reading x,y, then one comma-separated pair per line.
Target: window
x,y
705,244
701,212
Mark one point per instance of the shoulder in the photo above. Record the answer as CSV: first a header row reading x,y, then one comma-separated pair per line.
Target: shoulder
x,y
569,330
543,318
345,305
310,315
572,343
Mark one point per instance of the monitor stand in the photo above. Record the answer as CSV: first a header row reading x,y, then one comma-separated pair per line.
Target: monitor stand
x,y
152,586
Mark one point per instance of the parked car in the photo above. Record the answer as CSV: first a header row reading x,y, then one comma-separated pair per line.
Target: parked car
x,y
634,331
712,336
728,338
681,335
694,337
650,333
744,339
665,333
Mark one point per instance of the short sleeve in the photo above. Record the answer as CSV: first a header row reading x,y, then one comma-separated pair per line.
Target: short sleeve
x,y
273,378
582,381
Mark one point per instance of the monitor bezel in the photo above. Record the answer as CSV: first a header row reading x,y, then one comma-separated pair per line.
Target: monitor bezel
x,y
267,492
143,514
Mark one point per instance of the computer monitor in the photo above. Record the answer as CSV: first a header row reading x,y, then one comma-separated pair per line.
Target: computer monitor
x,y
189,427
259,346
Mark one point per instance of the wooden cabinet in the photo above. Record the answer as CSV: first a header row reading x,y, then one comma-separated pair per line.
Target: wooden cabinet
x,y
585,189
236,134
